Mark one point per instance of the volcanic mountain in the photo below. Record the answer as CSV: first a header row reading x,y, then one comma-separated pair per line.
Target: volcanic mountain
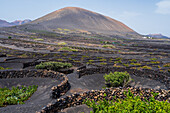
x,y
77,18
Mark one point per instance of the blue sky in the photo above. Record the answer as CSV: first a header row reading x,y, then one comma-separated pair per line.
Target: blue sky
x,y
143,16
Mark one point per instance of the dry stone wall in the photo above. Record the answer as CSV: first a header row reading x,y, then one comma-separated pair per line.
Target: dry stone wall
x,y
78,98
57,90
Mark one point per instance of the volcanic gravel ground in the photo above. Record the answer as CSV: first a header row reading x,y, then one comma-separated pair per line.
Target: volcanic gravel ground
x,y
42,96
37,101
12,65
85,83
147,83
78,109
96,81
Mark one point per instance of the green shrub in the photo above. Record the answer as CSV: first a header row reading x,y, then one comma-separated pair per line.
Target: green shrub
x,y
131,104
62,43
103,63
153,62
117,66
118,58
166,65
59,59
2,68
153,58
16,95
91,60
9,37
108,46
76,61
145,67
118,62
38,39
70,58
103,60
44,55
126,65
117,79
110,59
64,54
89,63
73,55
156,62
31,37
159,67
24,55
53,65
67,49
99,57
84,56
135,64
133,60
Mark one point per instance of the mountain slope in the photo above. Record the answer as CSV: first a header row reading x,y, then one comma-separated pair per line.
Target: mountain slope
x,y
78,18
4,23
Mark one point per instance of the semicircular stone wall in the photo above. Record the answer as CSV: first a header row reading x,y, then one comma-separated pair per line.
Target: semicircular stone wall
x,y
56,91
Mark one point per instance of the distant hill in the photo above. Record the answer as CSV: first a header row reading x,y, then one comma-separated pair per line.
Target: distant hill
x,y
4,23
20,22
158,36
75,18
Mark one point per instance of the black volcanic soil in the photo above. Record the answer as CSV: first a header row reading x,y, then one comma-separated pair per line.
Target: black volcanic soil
x,y
96,81
25,51
37,101
42,96
78,109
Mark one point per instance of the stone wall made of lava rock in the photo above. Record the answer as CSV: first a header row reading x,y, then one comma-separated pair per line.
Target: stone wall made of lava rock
x,y
112,93
152,74
57,91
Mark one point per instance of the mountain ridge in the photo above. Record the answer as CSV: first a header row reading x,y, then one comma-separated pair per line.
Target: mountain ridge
x,y
4,23
158,36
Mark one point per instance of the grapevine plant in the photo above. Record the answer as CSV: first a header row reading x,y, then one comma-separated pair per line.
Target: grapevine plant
x,y
53,65
131,104
17,95
117,79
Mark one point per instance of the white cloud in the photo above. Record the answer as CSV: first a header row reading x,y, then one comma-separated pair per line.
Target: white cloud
x,y
163,7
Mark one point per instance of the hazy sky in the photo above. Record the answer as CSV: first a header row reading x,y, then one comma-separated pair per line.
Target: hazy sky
x,y
144,16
